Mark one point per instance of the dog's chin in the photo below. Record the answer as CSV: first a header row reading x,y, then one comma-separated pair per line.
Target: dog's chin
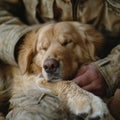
x,y
52,78
55,80
57,76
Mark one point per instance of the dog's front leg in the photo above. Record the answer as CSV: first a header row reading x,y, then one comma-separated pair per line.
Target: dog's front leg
x,y
79,101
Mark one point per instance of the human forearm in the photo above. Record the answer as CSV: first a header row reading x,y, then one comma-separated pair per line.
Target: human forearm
x,y
11,30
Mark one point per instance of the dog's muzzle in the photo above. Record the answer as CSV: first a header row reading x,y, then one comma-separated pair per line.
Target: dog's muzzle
x,y
51,68
51,65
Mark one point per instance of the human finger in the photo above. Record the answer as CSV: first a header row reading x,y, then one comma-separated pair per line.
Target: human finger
x,y
82,80
81,71
89,87
94,90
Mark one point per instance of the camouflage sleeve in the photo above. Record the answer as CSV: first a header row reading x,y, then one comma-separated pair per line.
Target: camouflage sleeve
x,y
110,69
11,30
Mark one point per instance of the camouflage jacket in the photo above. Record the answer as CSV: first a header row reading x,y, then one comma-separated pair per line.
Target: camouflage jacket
x,y
17,17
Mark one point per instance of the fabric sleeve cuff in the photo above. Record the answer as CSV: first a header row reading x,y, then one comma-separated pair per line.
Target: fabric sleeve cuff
x,y
11,35
102,66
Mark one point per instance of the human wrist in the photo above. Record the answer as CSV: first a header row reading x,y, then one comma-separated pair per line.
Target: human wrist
x,y
102,65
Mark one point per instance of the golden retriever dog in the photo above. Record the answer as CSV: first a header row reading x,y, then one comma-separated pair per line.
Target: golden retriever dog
x,y
48,58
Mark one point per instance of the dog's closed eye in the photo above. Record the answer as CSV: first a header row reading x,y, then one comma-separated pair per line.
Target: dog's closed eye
x,y
44,45
44,48
65,43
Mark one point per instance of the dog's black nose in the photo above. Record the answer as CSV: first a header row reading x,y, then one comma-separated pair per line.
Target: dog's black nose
x,y
51,65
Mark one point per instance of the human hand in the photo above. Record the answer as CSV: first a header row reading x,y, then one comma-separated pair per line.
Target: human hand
x,y
90,79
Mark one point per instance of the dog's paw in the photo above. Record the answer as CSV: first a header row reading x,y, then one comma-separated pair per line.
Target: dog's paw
x,y
89,108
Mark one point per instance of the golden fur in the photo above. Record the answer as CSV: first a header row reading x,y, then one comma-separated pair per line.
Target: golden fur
x,y
71,44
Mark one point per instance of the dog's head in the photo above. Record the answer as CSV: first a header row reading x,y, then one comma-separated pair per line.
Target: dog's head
x,y
57,50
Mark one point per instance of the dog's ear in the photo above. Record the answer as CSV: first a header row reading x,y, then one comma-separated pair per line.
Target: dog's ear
x,y
90,39
27,51
95,41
